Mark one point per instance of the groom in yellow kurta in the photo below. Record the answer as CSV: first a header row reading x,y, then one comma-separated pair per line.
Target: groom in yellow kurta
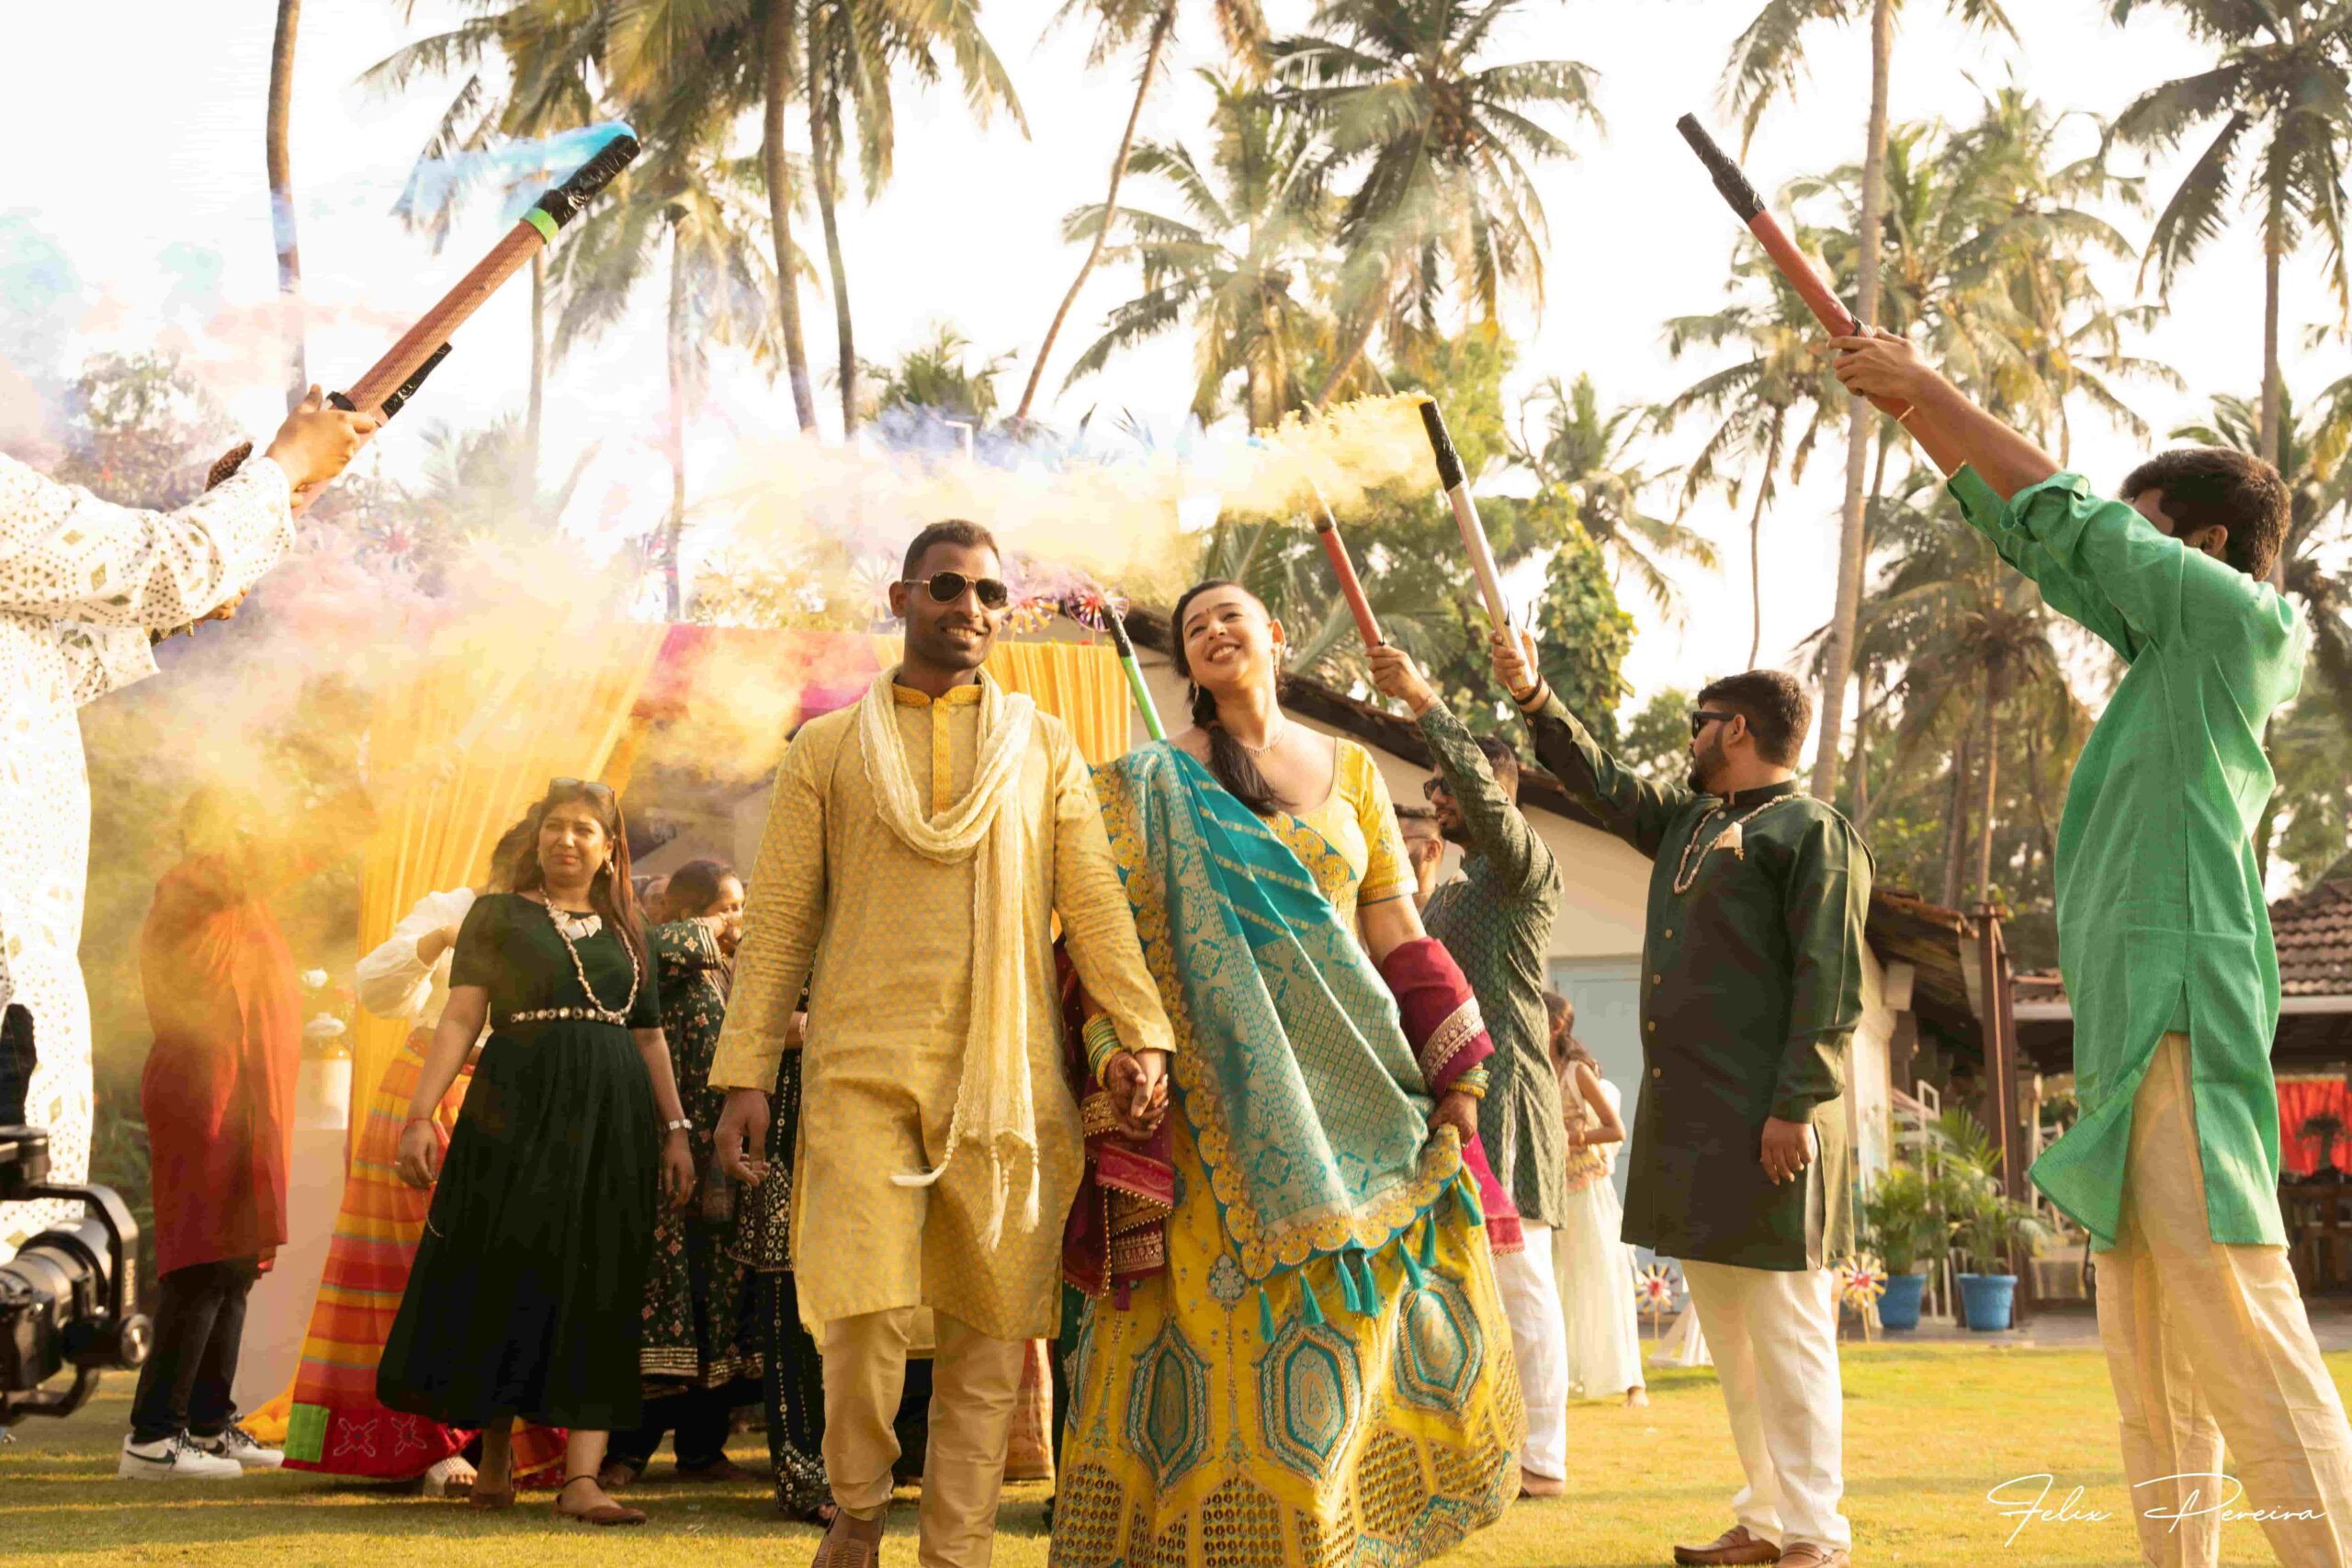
x,y
918,848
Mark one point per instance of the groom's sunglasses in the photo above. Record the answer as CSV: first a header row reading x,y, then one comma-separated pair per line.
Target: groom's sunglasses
x,y
946,587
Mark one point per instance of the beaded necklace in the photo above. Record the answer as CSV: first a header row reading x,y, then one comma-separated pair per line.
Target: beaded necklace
x,y
595,1009
1686,871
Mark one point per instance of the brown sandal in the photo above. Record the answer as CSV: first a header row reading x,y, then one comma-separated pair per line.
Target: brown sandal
x,y
850,1543
602,1514
490,1502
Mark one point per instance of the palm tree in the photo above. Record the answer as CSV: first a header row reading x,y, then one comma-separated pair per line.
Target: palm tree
x,y
692,207
2281,76
1770,408
279,164
1117,24
854,48
1445,143
1767,62
1241,264
1588,457
936,376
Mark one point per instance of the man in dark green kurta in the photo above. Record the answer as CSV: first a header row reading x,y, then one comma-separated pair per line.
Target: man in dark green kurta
x,y
1495,920
2165,939
1751,986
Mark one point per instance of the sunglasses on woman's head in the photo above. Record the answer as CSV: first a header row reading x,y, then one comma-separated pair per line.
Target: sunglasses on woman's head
x,y
946,587
591,788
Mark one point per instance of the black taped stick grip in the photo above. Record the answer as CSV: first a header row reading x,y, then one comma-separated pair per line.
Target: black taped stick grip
x,y
563,203
1727,177
1449,461
1119,634
400,395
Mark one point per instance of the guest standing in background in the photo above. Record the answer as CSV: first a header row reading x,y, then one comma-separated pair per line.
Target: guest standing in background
x,y
338,1425
526,1295
218,1093
698,1344
1589,1259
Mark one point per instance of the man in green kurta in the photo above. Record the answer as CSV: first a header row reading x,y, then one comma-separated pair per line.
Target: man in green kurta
x,y
1496,919
1751,987
2164,939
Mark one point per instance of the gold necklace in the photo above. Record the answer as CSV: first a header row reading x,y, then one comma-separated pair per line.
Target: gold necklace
x,y
1686,871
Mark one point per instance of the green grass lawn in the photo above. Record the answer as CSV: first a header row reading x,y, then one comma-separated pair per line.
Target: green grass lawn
x,y
1929,1429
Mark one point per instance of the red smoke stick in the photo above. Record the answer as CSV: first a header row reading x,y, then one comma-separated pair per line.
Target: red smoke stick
x,y
1826,308
1326,528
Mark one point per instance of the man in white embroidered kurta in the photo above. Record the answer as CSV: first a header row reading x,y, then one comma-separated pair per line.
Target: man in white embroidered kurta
x,y
83,585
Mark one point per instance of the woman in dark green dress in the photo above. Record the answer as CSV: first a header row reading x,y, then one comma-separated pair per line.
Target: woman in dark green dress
x,y
525,1294
699,1352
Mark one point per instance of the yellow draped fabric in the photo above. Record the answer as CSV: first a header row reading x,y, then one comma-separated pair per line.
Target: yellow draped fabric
x,y
477,747
1079,683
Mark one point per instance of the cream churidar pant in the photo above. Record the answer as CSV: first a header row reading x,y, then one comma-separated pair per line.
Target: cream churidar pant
x,y
1539,1343
2207,1343
1774,1336
975,1381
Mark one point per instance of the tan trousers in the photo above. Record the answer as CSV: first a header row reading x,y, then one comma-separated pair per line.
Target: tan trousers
x,y
2207,1343
973,1382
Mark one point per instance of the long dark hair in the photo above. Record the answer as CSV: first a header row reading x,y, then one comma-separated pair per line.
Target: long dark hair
x,y
611,895
1229,763
1566,1046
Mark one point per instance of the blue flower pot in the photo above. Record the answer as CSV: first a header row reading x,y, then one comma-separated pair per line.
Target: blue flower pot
x,y
1988,1299
1899,1308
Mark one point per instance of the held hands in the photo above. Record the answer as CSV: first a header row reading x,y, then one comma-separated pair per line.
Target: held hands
x,y
418,1160
1136,1082
1457,1111
1516,667
742,1141
1788,1149
677,1168
316,441
1394,671
1879,364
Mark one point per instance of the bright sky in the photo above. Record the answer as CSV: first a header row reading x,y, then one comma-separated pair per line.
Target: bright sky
x,y
155,192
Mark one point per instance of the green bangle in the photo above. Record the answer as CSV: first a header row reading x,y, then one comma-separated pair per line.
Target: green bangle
x,y
1102,1043
1472,1083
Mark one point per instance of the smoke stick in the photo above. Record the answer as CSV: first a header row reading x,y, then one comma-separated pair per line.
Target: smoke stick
x,y
1790,262
1326,528
1142,694
1456,484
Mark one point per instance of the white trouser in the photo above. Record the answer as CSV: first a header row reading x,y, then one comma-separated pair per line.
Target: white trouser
x,y
2207,1342
1539,1342
1774,1336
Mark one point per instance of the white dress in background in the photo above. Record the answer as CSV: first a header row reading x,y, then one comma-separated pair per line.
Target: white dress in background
x,y
1595,1267
82,583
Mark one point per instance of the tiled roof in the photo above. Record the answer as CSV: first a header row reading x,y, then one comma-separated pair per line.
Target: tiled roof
x,y
2314,936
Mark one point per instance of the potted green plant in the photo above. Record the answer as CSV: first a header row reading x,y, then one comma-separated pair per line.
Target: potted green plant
x,y
1989,1226
1904,1226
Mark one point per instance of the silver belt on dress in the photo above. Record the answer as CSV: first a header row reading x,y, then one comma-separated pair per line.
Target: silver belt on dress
x,y
585,1015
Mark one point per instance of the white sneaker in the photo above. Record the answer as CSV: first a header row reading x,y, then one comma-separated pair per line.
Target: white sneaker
x,y
175,1458
241,1446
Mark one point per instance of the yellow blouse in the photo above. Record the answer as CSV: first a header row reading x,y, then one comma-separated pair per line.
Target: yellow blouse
x,y
1357,820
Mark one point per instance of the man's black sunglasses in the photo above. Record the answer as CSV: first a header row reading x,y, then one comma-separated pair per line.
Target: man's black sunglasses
x,y
946,587
1433,786
1702,717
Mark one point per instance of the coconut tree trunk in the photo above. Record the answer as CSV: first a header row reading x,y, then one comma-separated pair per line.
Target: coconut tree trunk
x,y
776,70
1840,661
824,153
1858,775
1160,27
1956,827
674,528
538,364
282,198
1992,779
2273,439
1755,545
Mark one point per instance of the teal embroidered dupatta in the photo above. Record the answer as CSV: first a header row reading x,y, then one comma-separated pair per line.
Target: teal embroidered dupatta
x,y
1307,1105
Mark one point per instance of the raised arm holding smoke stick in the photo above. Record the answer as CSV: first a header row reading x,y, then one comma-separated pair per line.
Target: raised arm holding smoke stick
x,y
2165,941
1752,959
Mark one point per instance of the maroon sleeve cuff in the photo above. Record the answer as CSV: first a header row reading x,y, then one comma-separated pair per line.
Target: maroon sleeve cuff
x,y
1439,1010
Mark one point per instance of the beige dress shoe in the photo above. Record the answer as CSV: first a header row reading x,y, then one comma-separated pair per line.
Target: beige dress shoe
x,y
1733,1546
1806,1554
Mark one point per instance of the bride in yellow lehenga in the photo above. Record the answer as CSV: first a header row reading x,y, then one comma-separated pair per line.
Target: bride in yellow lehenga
x,y
1320,1373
